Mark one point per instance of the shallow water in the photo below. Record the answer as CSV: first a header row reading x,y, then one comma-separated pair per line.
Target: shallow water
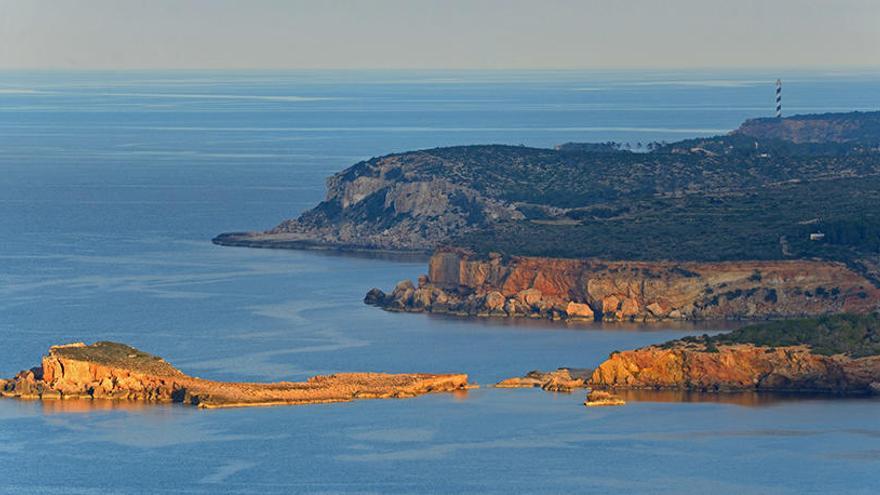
x,y
111,185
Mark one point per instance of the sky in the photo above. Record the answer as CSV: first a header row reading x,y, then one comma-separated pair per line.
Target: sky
x,y
472,34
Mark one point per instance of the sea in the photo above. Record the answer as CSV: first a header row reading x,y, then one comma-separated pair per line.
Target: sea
x,y
113,183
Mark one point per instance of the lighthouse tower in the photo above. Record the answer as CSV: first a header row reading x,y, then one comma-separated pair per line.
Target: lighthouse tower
x,y
778,98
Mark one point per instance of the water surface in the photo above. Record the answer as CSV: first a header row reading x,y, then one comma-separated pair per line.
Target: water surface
x,y
112,184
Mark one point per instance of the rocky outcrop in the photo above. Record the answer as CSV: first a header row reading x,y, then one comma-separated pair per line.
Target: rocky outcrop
x,y
600,398
394,203
561,380
462,284
740,367
860,127
107,370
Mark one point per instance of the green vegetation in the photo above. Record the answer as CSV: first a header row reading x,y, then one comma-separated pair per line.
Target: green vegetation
x,y
749,195
765,223
853,335
117,355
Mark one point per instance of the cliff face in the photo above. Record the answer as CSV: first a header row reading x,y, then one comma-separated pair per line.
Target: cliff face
x,y
737,367
860,127
614,291
107,370
397,202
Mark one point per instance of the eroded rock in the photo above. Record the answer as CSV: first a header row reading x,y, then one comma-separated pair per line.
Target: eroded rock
x,y
561,380
107,370
552,288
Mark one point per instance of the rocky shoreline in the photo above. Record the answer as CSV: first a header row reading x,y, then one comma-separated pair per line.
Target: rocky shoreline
x,y
837,355
107,370
734,368
460,283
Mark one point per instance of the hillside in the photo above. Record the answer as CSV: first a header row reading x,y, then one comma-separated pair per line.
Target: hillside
x,y
861,128
710,199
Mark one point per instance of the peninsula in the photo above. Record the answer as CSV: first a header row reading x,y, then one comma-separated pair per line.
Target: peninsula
x,y
107,370
779,218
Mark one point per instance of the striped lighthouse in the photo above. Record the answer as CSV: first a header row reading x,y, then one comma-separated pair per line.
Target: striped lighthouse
x,y
778,98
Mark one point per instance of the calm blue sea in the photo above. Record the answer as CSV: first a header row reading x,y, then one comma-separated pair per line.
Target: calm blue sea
x,y
112,184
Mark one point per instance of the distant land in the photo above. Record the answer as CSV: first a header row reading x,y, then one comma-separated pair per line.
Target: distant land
x,y
802,188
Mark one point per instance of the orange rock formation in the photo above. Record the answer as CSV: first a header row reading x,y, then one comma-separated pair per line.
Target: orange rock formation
x,y
590,289
737,367
107,370
561,380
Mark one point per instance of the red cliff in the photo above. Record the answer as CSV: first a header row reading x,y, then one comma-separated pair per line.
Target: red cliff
x,y
737,367
590,289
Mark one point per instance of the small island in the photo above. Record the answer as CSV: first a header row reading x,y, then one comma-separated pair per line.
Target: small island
x,y
108,370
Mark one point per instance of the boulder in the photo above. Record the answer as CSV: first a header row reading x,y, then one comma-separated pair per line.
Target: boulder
x,y
610,304
494,301
530,297
374,297
629,307
512,307
656,309
603,398
403,286
579,311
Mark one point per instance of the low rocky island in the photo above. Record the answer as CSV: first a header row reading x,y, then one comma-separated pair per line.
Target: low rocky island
x,y
107,370
561,380
837,354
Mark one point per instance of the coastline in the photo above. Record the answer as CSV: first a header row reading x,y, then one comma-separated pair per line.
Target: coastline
x,y
260,240
462,284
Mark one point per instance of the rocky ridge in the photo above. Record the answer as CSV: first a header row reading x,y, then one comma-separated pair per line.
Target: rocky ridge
x,y
107,370
460,283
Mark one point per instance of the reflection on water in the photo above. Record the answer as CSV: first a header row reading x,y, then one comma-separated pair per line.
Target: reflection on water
x,y
460,395
79,406
748,399
93,247
695,327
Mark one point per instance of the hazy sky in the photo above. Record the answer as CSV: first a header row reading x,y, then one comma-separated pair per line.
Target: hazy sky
x,y
438,34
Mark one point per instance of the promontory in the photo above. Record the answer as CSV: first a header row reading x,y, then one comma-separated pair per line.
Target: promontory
x,y
779,218
835,354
